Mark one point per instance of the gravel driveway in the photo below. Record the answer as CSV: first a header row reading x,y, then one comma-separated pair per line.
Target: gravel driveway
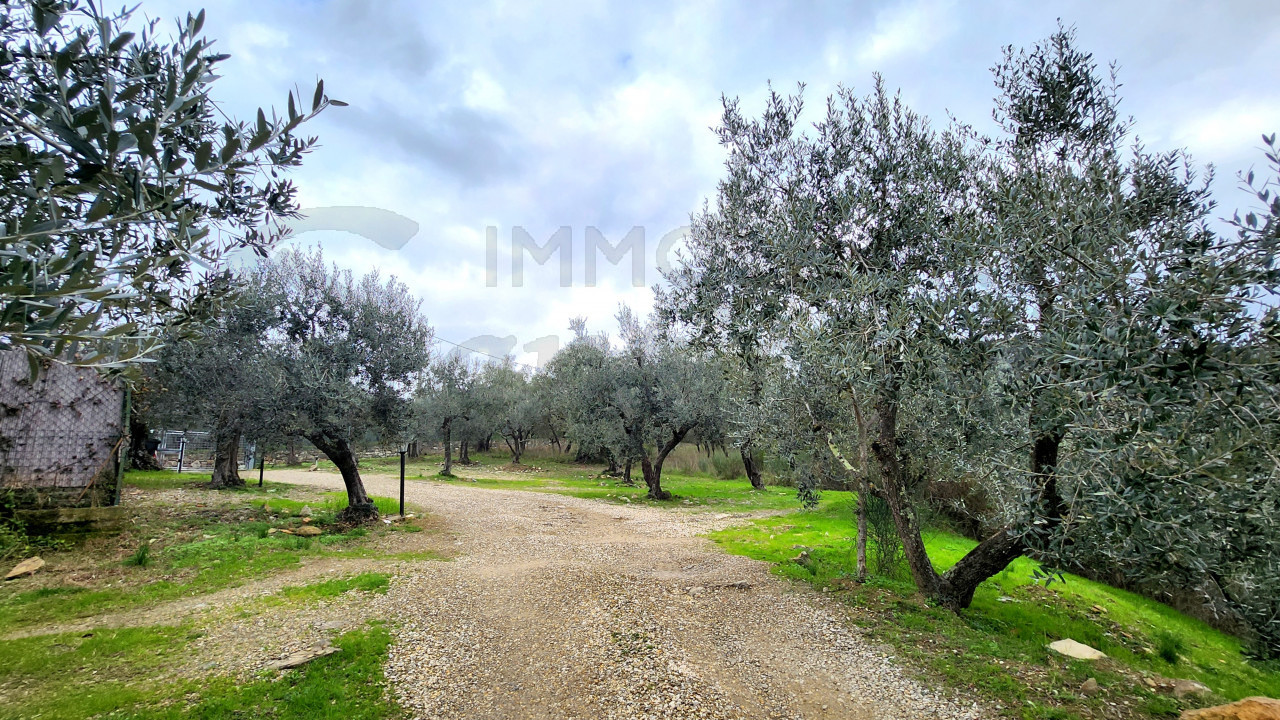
x,y
559,607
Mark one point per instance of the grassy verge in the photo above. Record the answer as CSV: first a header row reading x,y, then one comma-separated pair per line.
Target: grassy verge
x,y
997,646
296,595
205,542
688,491
108,674
557,475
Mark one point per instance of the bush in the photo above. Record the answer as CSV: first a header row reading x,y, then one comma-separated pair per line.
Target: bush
x,y
728,467
884,548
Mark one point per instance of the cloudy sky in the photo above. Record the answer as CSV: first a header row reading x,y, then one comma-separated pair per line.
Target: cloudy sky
x,y
478,119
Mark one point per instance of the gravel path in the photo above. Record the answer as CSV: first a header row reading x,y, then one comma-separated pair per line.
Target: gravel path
x,y
559,607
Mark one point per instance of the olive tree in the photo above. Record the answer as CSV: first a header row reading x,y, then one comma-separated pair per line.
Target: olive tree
x,y
120,178
517,410
445,398
1147,342
641,400
348,353
838,251
572,385
218,374
1059,291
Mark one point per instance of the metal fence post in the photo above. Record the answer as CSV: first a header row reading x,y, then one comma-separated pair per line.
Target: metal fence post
x,y
262,466
402,484
182,451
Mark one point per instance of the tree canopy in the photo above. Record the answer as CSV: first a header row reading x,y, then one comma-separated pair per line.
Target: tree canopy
x,y
124,185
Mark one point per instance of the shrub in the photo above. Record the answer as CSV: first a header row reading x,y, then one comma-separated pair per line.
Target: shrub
x,y
728,467
883,545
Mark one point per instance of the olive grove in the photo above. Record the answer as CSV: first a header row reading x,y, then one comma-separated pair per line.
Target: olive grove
x,y
1049,315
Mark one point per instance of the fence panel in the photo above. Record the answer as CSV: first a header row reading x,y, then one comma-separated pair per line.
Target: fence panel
x,y
60,436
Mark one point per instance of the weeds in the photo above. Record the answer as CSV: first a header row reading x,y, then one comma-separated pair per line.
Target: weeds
x,y
14,542
140,557
1169,647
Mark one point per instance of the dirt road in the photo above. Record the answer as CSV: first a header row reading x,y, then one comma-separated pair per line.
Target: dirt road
x,y
558,607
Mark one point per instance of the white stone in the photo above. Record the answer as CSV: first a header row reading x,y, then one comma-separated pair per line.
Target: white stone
x,y
1077,650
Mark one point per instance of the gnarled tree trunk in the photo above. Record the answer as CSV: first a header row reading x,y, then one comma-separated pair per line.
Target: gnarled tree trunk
x,y
446,432
464,455
954,589
140,456
905,521
359,507
652,469
226,456
753,470
291,447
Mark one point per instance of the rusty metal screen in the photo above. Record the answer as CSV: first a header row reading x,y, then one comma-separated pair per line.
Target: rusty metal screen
x,y
60,436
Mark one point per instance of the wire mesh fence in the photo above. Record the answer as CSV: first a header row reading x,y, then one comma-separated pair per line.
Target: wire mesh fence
x,y
60,435
194,451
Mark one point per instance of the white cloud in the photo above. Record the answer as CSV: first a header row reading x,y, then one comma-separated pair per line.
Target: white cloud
x,y
907,29
1232,128
469,115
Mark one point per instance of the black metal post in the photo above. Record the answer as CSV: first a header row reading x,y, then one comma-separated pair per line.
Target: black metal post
x,y
262,467
402,484
182,451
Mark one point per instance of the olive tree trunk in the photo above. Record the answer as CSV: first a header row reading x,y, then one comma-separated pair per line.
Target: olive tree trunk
x,y
446,432
226,453
753,470
359,507
652,469
140,458
954,589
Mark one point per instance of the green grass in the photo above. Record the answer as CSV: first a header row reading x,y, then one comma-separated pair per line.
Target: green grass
x,y
140,557
998,645
301,594
697,491
53,673
171,480
688,491
197,551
